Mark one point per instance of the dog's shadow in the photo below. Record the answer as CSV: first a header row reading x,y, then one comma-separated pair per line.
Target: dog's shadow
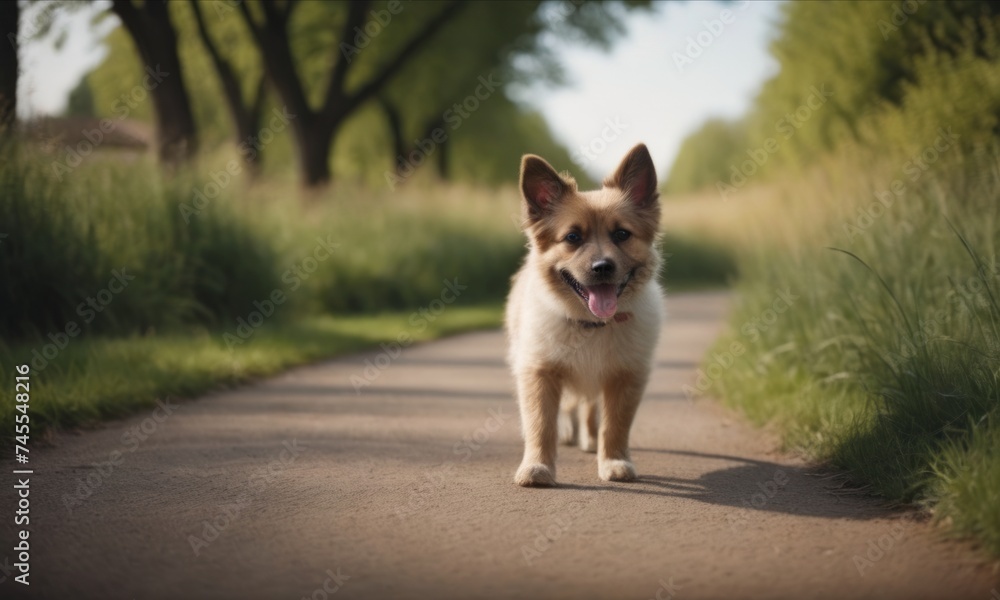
x,y
752,485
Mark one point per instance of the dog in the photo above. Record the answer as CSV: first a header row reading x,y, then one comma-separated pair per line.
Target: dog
x,y
584,312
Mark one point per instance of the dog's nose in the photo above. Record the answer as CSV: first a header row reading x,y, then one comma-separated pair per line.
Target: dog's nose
x,y
603,267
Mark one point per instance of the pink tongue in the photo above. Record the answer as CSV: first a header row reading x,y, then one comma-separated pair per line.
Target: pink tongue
x,y
603,300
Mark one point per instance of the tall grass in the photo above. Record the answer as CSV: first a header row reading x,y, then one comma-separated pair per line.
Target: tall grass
x,y
203,256
207,263
888,363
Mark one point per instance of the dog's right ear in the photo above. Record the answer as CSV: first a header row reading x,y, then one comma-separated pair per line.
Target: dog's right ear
x,y
541,186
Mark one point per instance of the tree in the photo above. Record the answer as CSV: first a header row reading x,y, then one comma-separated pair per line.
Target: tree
x,y
9,19
155,39
245,113
492,42
314,128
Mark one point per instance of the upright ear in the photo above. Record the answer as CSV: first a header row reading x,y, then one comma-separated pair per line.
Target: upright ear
x,y
636,176
541,186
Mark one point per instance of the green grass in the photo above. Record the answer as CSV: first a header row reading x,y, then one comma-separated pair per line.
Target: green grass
x,y
101,377
887,366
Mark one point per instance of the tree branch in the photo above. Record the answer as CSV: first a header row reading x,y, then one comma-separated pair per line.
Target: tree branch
x,y
335,91
251,24
276,54
409,50
131,18
230,83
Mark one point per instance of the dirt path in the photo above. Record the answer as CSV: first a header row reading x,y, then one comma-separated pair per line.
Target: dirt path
x,y
405,491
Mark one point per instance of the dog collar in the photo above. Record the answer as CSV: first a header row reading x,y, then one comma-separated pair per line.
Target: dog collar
x,y
619,318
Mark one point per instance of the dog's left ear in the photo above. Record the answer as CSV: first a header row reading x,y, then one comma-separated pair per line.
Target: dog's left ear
x,y
636,176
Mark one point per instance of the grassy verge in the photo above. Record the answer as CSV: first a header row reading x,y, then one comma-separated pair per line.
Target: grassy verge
x,y
870,336
102,377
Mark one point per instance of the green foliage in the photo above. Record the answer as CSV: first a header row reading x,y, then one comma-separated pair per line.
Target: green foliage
x,y
872,58
704,155
81,100
886,364
442,74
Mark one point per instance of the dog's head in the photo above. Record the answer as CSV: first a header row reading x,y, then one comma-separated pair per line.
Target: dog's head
x,y
597,248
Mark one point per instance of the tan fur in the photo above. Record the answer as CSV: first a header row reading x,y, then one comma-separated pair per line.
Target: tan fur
x,y
554,357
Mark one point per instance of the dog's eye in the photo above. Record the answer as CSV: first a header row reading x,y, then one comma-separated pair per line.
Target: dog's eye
x,y
621,235
573,237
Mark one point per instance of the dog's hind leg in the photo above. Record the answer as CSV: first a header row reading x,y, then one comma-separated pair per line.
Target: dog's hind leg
x,y
587,408
569,421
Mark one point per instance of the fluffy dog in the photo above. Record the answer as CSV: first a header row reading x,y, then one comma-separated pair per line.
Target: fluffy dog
x,y
584,313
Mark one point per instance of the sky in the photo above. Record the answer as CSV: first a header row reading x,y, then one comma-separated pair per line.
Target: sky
x,y
673,69
675,66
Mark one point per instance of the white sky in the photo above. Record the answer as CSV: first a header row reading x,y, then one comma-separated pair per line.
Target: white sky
x,y
638,84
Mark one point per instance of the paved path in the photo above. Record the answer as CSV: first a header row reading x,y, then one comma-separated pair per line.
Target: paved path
x,y
405,491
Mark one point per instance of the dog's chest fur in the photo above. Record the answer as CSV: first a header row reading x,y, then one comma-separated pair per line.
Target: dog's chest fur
x,y
543,334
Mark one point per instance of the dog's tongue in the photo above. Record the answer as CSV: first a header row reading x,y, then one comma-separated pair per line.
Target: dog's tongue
x,y
602,300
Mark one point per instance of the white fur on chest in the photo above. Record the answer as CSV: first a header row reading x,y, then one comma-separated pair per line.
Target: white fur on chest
x,y
542,334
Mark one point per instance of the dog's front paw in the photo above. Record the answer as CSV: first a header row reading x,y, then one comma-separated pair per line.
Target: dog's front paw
x,y
535,475
615,470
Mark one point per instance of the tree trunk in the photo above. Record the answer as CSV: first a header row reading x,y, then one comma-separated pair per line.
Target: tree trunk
x,y
443,165
395,120
154,36
441,160
314,143
9,17
247,123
